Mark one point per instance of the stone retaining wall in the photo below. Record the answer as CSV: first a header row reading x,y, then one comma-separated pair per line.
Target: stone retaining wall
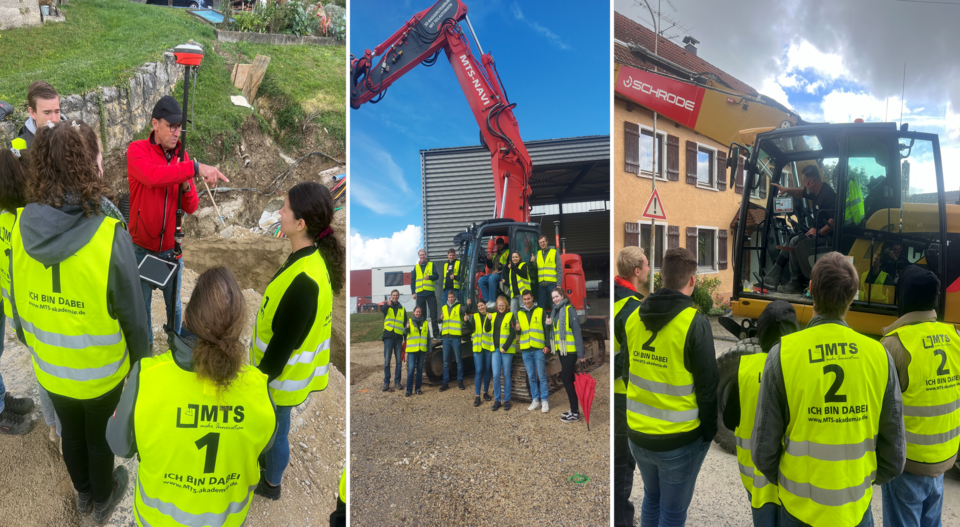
x,y
275,38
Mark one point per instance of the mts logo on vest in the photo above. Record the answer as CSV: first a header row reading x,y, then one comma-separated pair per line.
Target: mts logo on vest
x,y
196,414
832,351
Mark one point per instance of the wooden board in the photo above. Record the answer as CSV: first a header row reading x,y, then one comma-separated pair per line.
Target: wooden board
x,y
255,77
239,75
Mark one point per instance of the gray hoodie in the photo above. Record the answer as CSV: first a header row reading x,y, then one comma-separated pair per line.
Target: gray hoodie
x,y
52,235
558,316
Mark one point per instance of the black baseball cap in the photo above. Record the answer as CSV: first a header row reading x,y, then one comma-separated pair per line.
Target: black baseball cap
x,y
168,109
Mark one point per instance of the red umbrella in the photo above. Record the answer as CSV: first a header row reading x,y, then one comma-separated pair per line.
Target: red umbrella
x,y
403,352
586,387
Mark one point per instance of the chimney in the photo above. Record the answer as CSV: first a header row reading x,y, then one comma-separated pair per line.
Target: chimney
x,y
690,44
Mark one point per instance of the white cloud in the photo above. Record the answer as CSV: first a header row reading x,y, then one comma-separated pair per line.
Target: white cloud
x,y
551,36
773,88
841,106
788,81
379,199
399,249
376,157
803,55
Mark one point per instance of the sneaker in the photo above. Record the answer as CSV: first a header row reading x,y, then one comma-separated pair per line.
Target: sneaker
x,y
444,387
486,397
572,418
507,405
545,407
534,405
102,511
266,490
476,402
17,405
386,386
792,288
460,385
408,394
419,392
565,414
496,405
397,386
14,424
84,502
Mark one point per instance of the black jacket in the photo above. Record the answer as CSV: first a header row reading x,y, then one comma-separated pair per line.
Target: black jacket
x,y
413,277
699,358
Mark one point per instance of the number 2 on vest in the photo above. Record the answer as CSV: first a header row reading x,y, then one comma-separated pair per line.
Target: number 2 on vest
x,y
942,370
831,396
646,345
212,442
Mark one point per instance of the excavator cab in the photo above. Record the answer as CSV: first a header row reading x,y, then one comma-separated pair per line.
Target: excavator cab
x,y
475,250
890,212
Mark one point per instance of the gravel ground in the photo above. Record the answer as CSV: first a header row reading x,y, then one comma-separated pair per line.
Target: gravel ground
x,y
36,489
434,459
720,499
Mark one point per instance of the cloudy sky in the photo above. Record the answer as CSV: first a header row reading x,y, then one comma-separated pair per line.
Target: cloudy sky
x,y
552,55
835,61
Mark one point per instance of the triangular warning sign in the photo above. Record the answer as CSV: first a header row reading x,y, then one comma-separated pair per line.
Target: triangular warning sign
x,y
654,208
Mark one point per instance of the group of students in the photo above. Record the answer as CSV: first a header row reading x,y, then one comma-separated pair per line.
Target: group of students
x,y
820,415
496,337
209,418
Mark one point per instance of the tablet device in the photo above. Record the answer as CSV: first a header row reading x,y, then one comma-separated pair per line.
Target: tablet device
x,y
156,271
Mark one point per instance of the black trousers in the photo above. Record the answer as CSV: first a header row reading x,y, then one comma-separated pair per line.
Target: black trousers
x,y
429,299
86,453
568,365
623,465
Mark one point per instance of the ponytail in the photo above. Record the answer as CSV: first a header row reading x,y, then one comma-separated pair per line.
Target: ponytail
x,y
216,314
312,203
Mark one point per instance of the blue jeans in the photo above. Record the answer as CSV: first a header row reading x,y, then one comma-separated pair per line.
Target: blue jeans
x,y
482,371
502,362
787,519
168,293
488,286
415,367
912,501
766,516
276,459
535,362
451,352
391,347
668,482
543,295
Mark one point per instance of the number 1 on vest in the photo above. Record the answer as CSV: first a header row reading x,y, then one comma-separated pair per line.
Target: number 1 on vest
x,y
212,442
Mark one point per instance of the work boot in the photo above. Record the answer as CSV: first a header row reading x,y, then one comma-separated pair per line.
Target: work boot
x,y
792,288
496,405
267,490
408,394
14,424
386,386
476,402
507,405
772,279
444,387
84,502
17,405
102,511
486,397
397,386
460,384
419,392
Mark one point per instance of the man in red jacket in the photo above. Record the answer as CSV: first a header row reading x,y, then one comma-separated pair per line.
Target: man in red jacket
x,y
155,175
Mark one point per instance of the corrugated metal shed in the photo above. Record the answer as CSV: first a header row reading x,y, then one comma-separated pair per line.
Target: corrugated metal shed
x,y
458,185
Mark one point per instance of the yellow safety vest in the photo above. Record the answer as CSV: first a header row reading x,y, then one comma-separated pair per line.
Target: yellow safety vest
x,y
931,402
7,220
547,267
834,379
876,292
394,320
569,343
505,333
417,340
482,336
78,349
523,284
451,321
307,370
762,490
424,284
198,448
619,386
531,329
854,206
343,485
456,273
660,394
504,256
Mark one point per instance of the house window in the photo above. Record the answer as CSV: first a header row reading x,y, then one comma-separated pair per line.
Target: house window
x,y
649,165
706,249
393,279
706,167
661,240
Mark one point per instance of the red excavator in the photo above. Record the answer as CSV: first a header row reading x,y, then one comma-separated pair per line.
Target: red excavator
x,y
420,41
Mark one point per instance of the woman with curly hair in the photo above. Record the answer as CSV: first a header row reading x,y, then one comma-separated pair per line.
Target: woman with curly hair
x,y
232,422
76,303
291,340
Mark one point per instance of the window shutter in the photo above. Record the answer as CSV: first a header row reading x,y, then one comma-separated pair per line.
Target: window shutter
x,y
631,147
691,162
721,171
673,158
739,188
631,234
692,240
673,236
722,250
